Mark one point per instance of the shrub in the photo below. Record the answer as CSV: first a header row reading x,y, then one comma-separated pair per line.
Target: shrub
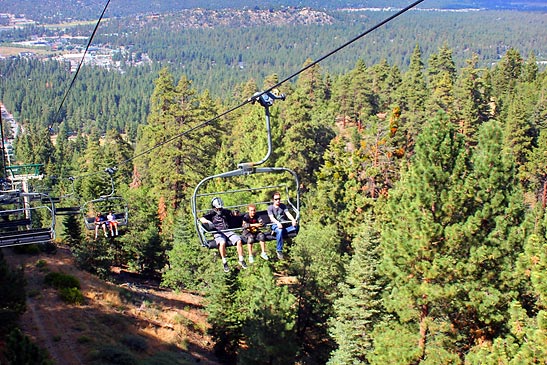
x,y
135,343
60,280
41,264
71,295
114,355
20,349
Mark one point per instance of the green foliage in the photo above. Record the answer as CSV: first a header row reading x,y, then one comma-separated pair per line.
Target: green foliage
x,y
113,355
319,267
190,265
449,243
12,294
225,317
72,230
60,280
359,307
269,321
457,272
95,256
20,350
71,295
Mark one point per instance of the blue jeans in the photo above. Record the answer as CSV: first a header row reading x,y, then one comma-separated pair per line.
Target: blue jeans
x,y
279,232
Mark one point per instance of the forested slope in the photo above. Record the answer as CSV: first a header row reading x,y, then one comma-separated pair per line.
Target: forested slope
x,y
423,226
219,57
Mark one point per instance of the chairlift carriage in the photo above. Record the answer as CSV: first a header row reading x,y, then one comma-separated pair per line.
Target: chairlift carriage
x,y
61,206
250,191
25,218
105,204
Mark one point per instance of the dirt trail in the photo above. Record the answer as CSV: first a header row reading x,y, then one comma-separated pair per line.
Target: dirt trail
x,y
69,332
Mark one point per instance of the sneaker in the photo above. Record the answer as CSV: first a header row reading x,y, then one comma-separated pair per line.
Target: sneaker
x,y
280,255
264,256
226,268
242,264
251,259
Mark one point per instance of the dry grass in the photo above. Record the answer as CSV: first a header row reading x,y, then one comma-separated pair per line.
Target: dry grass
x,y
132,322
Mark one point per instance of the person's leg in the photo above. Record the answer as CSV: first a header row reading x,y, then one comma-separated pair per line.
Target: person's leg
x,y
220,239
235,239
222,250
278,237
250,240
291,228
239,247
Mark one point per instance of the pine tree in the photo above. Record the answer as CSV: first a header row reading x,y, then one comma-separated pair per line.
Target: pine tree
x,y
412,94
72,230
472,97
441,75
304,127
269,327
506,74
181,161
225,316
359,307
319,266
189,264
449,247
519,133
12,294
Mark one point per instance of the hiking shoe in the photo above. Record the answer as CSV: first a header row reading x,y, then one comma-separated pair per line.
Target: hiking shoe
x,y
280,255
242,264
264,256
251,259
226,267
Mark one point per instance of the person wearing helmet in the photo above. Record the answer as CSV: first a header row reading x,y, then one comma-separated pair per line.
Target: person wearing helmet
x,y
219,218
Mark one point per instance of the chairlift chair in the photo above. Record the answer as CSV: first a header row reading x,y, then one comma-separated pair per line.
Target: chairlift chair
x,y
105,204
19,218
60,206
249,193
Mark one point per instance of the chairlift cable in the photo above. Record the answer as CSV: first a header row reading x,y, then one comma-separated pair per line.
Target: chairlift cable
x,y
256,96
81,62
383,22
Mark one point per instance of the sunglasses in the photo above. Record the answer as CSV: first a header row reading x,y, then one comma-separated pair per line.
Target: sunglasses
x,y
277,198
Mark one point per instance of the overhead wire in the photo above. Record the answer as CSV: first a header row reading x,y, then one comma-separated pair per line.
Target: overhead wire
x,y
255,96
258,95
81,61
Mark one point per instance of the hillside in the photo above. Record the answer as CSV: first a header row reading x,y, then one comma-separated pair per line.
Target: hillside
x,y
128,319
52,11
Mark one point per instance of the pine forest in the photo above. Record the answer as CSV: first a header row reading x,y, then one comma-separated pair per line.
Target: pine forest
x,y
421,157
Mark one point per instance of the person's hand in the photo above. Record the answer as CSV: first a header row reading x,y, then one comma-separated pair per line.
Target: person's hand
x,y
294,222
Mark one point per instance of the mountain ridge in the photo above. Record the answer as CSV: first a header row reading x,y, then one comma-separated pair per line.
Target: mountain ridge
x,y
55,11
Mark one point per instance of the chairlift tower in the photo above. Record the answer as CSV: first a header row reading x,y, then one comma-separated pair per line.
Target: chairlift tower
x,y
20,175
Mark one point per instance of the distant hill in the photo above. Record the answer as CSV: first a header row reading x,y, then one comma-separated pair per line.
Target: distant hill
x,y
55,11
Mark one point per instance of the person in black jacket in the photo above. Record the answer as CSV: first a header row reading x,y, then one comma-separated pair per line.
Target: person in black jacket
x,y
219,219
